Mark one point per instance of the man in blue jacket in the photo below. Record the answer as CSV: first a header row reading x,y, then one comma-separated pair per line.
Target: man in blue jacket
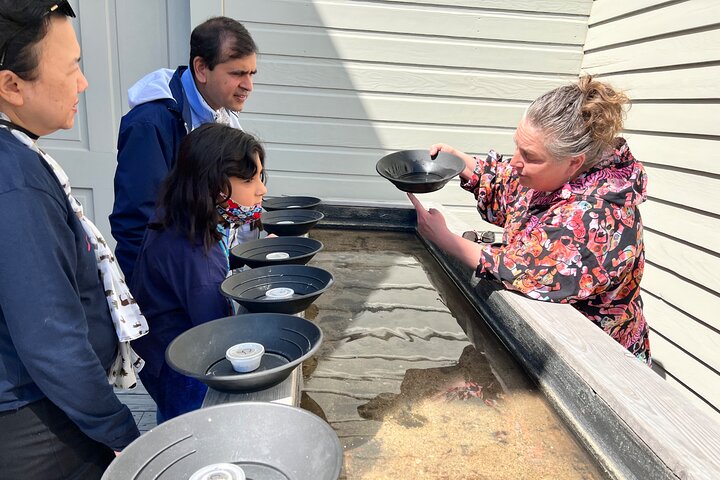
x,y
165,106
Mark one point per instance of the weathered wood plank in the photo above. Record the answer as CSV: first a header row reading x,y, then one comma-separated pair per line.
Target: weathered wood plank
x,y
422,80
414,49
689,371
698,47
684,437
412,19
692,397
661,21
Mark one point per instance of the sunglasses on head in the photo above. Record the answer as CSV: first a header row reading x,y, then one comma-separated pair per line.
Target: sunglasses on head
x,y
63,7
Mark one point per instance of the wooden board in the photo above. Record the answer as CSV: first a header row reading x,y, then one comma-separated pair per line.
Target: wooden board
x,y
697,379
685,438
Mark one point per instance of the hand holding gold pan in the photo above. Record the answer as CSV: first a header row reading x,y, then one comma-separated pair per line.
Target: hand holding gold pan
x,y
415,171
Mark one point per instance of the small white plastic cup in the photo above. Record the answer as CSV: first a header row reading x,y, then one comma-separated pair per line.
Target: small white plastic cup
x,y
279,293
277,256
219,471
245,357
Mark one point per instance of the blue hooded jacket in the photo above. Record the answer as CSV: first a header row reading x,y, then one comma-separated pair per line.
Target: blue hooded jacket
x,y
148,143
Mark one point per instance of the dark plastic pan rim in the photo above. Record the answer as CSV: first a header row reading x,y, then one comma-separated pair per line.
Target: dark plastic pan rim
x,y
316,216
314,202
289,366
281,261
278,300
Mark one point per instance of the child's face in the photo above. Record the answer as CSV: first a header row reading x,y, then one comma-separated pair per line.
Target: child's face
x,y
248,192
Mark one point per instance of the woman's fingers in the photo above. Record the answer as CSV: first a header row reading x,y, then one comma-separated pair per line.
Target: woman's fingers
x,y
416,203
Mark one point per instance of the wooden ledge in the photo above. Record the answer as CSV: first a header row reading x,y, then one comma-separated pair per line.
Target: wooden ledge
x,y
633,422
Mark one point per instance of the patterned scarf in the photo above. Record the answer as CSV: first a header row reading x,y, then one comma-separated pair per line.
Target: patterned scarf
x,y
127,318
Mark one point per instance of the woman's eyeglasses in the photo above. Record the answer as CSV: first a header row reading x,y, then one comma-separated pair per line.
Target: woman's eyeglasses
x,y
63,7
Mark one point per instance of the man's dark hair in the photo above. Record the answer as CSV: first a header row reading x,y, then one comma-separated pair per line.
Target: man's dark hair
x,y
208,157
218,40
23,24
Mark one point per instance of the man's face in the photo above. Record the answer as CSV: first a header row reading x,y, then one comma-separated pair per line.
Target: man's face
x,y
228,84
50,100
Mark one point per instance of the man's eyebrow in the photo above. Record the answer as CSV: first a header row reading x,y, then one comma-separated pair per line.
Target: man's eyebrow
x,y
243,72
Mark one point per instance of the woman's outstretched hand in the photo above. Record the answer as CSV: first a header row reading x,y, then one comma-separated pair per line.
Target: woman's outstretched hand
x,y
442,147
432,226
431,223
467,159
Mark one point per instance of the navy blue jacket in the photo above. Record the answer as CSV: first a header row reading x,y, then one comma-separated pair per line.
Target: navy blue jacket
x,y
177,285
148,142
57,338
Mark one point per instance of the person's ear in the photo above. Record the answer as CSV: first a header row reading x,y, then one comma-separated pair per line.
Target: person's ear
x,y
200,68
11,88
576,165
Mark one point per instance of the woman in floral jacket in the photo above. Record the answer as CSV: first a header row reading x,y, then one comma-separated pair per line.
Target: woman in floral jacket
x,y
568,202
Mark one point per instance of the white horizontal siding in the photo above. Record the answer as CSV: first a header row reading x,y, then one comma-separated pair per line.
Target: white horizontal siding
x,y
341,83
666,55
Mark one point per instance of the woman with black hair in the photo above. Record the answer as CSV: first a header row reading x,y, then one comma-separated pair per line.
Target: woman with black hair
x,y
218,182
60,288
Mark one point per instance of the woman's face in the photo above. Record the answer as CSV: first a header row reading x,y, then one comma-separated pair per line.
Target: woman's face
x,y
535,166
49,102
248,192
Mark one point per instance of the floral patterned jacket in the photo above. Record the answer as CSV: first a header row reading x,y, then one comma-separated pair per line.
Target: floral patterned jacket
x,y
581,244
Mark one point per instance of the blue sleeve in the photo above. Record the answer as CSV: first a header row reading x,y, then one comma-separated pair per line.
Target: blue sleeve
x,y
46,320
144,160
201,288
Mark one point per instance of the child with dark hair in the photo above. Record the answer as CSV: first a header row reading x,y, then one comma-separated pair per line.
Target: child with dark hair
x,y
218,182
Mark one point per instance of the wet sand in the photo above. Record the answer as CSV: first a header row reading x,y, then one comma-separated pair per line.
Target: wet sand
x,y
403,386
